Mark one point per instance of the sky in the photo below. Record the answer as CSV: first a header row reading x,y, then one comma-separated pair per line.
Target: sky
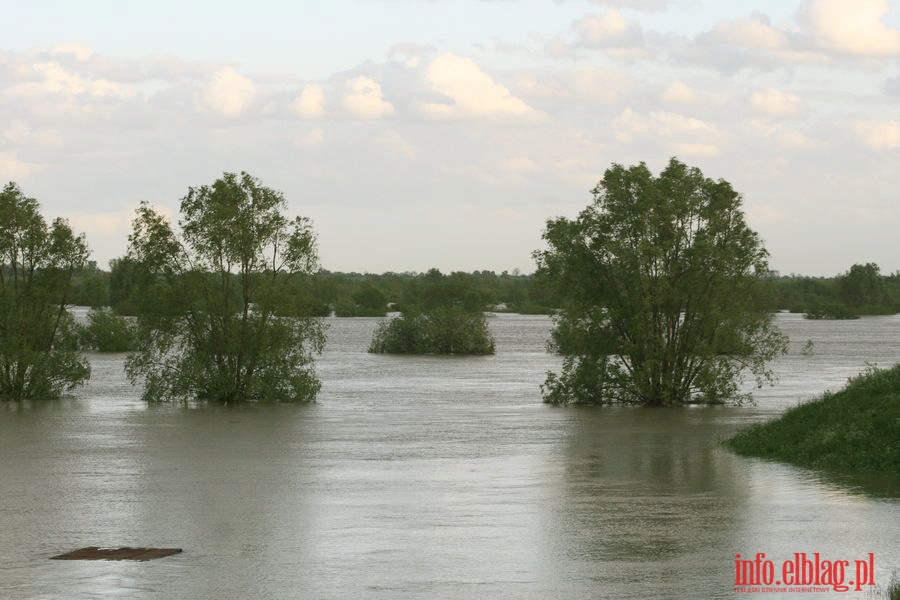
x,y
443,133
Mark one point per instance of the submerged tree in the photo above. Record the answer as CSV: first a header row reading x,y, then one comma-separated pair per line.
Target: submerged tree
x,y
38,339
661,278
442,330
209,322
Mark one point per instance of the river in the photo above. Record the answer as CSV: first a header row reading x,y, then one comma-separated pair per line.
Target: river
x,y
425,477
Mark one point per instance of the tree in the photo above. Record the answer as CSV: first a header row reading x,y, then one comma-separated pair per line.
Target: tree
x,y
862,285
38,338
215,330
443,330
660,278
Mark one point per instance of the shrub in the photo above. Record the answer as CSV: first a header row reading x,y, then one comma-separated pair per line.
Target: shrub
x,y
107,332
445,330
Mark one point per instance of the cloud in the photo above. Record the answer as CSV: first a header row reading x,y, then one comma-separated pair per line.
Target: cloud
x,y
642,5
310,104
230,93
772,102
749,42
12,168
853,27
468,91
81,52
315,137
763,213
617,36
20,134
686,136
782,134
620,37
678,93
397,144
101,223
881,135
363,99
755,32
51,78
662,123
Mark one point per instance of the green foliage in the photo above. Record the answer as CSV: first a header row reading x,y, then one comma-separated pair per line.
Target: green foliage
x,y
856,430
443,330
108,332
90,287
216,329
662,283
860,291
38,338
830,312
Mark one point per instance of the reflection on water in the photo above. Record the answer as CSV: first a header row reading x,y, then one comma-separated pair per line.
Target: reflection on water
x,y
421,477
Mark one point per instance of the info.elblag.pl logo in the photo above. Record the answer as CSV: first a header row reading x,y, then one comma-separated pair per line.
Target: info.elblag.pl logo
x,y
802,573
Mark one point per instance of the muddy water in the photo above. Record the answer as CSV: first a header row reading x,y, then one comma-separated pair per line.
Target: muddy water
x,y
417,477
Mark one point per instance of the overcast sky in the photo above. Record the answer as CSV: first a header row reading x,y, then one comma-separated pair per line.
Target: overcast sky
x,y
445,133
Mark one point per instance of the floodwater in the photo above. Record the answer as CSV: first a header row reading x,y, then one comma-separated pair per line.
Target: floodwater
x,y
423,477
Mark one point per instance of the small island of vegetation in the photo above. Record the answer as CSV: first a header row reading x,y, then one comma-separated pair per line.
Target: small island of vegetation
x,y
438,317
444,330
854,431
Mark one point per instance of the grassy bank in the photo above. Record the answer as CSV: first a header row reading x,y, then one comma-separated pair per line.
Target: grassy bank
x,y
854,431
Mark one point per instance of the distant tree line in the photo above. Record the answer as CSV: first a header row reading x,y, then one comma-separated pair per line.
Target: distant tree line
x,y
862,290
344,294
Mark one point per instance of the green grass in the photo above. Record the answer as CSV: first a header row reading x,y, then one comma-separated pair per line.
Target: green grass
x,y
854,431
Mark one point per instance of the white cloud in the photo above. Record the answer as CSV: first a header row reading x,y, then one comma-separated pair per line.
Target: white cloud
x,y
310,104
102,223
364,100
754,32
695,150
678,93
315,137
881,135
20,134
686,136
608,30
784,135
644,5
12,168
469,91
659,123
80,51
595,84
763,213
230,93
397,144
852,27
775,103
53,78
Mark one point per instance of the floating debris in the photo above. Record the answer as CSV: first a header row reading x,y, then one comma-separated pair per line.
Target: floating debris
x,y
110,553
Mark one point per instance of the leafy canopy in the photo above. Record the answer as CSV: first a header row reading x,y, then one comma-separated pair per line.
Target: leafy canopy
x,y
215,329
661,280
38,338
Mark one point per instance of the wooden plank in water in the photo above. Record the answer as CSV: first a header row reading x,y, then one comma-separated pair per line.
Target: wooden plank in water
x,y
109,553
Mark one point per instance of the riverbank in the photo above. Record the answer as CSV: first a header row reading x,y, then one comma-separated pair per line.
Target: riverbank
x,y
853,431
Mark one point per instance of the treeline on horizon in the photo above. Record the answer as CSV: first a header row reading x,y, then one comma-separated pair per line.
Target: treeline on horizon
x,y
862,290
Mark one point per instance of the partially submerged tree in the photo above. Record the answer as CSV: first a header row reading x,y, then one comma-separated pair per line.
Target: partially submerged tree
x,y
661,278
439,316
38,338
212,330
106,331
442,330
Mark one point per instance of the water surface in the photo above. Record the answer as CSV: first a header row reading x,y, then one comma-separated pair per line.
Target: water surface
x,y
423,477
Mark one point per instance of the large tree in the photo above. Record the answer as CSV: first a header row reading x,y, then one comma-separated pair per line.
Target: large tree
x,y
662,280
38,358
213,298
